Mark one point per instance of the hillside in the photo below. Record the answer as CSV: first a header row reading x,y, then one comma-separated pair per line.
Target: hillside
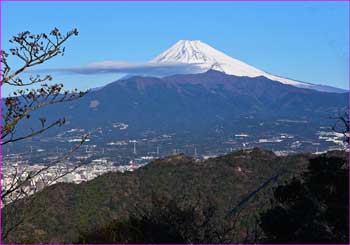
x,y
206,104
62,212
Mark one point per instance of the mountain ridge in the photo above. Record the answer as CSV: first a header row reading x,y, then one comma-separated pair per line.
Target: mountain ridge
x,y
197,98
207,108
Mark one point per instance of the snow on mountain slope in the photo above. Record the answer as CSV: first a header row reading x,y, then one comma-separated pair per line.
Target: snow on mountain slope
x,y
206,57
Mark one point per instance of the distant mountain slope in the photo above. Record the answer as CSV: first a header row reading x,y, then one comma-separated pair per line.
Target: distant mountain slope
x,y
187,99
206,57
196,103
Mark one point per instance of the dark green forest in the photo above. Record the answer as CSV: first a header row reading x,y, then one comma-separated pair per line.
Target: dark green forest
x,y
250,196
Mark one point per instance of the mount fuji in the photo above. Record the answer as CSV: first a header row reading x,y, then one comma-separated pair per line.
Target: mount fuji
x,y
229,97
207,58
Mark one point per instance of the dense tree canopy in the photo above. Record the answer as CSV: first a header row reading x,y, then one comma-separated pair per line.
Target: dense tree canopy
x,y
313,208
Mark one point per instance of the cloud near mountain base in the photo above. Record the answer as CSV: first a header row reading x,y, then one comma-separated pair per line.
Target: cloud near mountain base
x,y
149,68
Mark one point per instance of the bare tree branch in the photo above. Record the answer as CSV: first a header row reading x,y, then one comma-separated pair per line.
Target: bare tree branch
x,y
342,125
32,175
31,50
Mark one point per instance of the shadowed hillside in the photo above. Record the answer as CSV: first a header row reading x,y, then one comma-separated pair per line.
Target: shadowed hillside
x,y
232,187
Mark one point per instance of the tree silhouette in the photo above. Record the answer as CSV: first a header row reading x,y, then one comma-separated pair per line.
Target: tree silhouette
x,y
313,208
31,50
168,221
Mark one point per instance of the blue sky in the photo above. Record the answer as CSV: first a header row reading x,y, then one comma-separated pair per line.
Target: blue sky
x,y
307,41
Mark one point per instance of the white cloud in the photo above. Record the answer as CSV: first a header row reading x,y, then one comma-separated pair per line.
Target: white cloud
x,y
149,68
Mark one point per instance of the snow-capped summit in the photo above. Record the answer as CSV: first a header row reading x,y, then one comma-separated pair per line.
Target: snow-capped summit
x,y
206,57
203,55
